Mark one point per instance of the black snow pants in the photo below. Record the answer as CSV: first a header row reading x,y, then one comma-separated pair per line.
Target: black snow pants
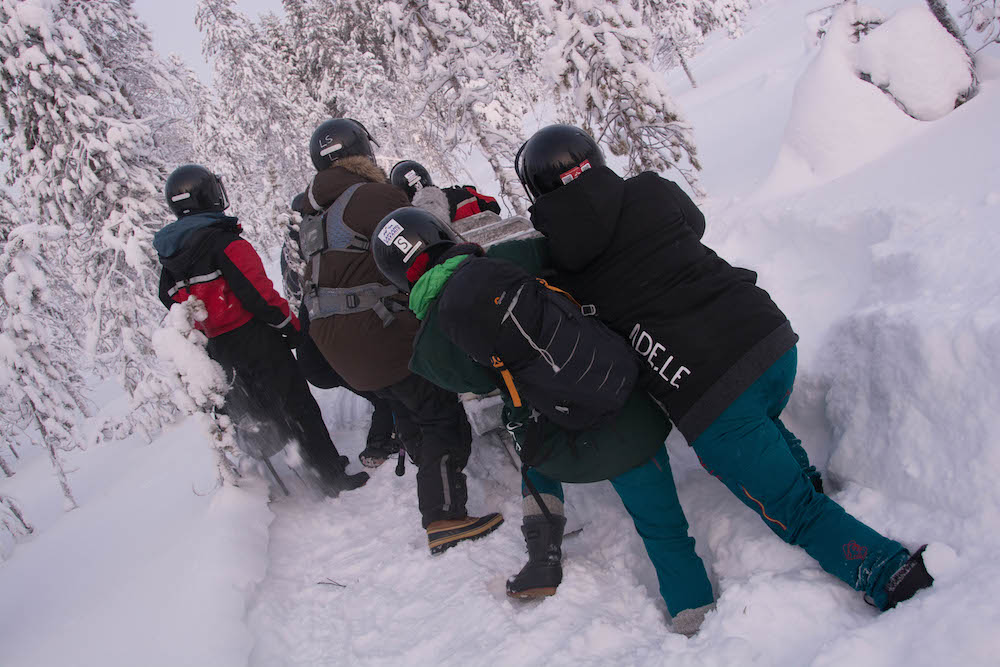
x,y
269,400
446,444
321,375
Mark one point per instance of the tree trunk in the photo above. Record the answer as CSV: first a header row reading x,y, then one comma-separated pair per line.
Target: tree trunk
x,y
687,70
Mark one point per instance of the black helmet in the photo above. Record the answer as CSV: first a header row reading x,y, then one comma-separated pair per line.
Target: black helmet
x,y
193,189
554,156
411,176
402,236
339,138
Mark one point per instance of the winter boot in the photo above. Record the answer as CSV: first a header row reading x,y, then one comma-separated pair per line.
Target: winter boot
x,y
909,579
543,572
689,621
378,450
444,534
333,482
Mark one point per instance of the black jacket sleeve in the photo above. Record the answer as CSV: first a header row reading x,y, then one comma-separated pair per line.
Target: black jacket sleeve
x,y
166,282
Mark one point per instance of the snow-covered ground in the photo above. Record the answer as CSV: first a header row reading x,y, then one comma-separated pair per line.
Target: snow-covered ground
x,y
880,246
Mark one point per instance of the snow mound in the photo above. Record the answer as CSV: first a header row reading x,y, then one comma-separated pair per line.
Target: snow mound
x,y
839,122
914,59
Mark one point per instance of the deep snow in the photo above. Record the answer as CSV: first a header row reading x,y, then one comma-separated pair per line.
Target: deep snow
x,y
880,247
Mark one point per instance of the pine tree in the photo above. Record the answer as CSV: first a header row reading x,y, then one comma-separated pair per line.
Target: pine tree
x,y
600,59
261,95
36,353
447,50
86,163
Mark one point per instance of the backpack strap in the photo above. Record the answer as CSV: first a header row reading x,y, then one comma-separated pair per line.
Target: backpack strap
x,y
327,301
327,231
588,310
508,380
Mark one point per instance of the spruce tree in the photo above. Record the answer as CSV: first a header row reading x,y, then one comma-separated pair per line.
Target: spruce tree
x,y
81,275
599,58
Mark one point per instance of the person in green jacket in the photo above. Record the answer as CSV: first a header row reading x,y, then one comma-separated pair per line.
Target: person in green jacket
x,y
418,255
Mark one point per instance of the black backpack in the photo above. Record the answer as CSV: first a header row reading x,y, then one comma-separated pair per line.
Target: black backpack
x,y
566,365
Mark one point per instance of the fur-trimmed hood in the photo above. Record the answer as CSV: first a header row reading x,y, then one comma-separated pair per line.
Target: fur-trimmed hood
x,y
363,167
328,184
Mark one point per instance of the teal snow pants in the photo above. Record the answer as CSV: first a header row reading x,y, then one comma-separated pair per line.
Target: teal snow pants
x,y
650,497
752,452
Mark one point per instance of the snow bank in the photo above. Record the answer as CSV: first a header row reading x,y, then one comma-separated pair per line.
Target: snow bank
x,y
146,571
838,122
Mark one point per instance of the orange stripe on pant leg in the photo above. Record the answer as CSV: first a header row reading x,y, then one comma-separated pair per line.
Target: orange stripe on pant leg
x,y
762,511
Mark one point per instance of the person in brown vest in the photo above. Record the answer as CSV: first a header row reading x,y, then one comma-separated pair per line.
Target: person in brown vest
x,y
362,326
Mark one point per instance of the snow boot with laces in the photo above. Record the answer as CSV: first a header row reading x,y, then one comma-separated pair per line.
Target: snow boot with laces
x,y
543,573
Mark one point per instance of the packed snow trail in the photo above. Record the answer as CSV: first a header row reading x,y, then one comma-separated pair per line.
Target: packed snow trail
x,y
350,581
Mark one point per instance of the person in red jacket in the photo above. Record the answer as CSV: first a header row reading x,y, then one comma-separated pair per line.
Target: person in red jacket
x,y
449,204
250,329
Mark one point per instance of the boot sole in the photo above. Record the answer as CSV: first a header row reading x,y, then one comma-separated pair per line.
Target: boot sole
x,y
446,539
533,593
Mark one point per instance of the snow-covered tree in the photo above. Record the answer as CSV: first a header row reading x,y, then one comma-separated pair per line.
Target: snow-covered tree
x,y
447,50
260,95
37,348
600,59
13,525
198,383
727,15
981,16
86,164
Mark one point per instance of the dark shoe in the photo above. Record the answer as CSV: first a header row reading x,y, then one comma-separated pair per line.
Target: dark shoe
x,y
444,534
334,484
378,451
910,578
543,573
344,461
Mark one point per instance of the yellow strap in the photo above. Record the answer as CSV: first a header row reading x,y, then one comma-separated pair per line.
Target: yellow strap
x,y
556,289
508,380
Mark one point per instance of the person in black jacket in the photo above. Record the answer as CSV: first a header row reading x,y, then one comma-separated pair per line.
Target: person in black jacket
x,y
249,326
719,355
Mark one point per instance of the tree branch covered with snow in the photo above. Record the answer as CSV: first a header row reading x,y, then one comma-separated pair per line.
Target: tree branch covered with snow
x,y
198,384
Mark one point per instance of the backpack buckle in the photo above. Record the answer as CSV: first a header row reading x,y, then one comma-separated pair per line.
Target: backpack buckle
x,y
588,310
352,301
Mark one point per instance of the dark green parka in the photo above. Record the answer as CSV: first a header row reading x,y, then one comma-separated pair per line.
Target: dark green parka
x,y
589,456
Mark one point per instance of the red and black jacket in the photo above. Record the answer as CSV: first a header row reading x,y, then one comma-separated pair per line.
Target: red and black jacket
x,y
463,201
203,256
